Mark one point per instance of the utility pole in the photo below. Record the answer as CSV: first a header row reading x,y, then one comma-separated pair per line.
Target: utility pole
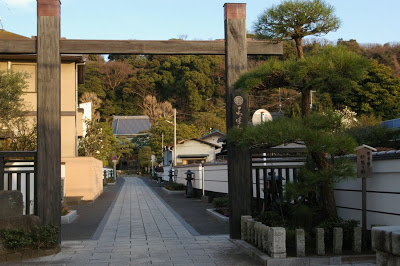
x,y
174,154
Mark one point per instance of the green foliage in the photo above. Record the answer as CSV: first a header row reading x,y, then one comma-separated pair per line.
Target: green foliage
x,y
339,77
12,86
175,186
378,93
348,230
166,128
64,209
221,205
221,202
124,148
189,82
20,132
144,157
99,142
45,236
110,180
205,122
296,19
271,218
303,217
376,136
15,239
324,137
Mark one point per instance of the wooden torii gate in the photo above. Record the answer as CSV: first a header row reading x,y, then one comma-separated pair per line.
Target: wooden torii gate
x,y
48,46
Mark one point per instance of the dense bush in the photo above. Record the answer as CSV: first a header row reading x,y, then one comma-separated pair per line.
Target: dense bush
x,y
221,205
45,236
348,227
14,239
272,218
376,136
175,186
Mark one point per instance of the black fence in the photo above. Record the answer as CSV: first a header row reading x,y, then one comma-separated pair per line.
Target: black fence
x,y
271,170
17,172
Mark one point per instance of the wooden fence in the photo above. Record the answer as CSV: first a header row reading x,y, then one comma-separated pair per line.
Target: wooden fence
x,y
17,172
271,170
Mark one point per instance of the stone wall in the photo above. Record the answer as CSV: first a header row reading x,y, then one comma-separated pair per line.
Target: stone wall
x,y
386,242
272,240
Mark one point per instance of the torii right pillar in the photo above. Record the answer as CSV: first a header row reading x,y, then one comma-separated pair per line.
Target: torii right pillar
x,y
237,115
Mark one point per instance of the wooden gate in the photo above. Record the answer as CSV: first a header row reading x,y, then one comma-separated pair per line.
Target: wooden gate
x,y
48,48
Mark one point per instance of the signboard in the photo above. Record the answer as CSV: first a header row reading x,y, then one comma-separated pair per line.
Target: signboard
x,y
364,161
153,158
114,159
239,109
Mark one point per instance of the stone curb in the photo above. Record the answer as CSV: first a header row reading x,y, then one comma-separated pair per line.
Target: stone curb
x,y
217,215
294,261
69,217
177,192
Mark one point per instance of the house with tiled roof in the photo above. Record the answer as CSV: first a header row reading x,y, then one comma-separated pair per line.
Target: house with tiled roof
x,y
191,151
83,175
214,137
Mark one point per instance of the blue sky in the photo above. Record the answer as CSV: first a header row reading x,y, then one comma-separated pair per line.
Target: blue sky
x,y
367,21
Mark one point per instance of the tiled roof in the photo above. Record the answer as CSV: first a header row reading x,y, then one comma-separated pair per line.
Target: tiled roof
x,y
215,132
130,125
6,35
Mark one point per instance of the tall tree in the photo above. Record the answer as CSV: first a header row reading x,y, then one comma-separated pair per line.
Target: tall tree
x,y
12,87
325,138
99,142
297,19
96,103
156,110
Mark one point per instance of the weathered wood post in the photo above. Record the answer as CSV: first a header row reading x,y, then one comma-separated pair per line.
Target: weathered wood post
x,y
364,171
239,172
48,112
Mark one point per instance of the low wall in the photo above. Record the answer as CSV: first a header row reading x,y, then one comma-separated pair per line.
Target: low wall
x,y
383,188
216,177
383,195
83,177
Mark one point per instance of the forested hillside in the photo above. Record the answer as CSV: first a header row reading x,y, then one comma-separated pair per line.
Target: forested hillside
x,y
195,85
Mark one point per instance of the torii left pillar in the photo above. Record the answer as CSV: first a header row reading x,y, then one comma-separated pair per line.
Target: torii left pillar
x,y
48,168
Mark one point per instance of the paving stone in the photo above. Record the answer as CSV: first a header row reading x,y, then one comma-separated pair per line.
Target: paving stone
x,y
141,230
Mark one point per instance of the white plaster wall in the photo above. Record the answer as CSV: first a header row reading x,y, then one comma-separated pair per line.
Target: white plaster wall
x,y
383,195
216,177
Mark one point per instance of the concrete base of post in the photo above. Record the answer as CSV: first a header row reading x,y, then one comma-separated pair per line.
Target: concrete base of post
x,y
320,241
250,230
243,226
337,240
357,236
265,240
300,243
277,242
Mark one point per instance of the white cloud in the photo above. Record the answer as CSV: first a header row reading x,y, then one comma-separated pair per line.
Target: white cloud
x,y
18,3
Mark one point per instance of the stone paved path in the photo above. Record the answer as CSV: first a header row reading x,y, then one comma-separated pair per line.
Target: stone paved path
x,y
141,230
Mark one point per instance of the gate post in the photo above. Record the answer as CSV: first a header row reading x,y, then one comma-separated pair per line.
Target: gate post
x,y
48,161
237,115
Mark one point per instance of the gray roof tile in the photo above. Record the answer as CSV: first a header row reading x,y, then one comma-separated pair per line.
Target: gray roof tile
x,y
130,125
